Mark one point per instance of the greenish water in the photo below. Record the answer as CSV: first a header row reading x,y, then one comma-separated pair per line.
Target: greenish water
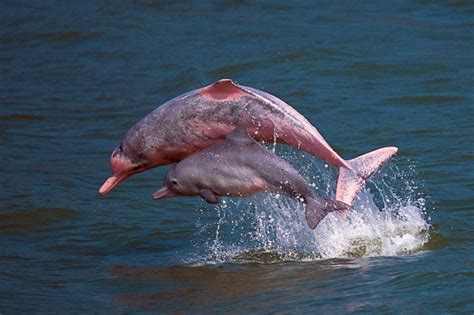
x,y
74,77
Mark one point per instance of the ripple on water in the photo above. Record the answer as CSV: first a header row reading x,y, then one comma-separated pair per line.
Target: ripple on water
x,y
386,220
17,219
427,100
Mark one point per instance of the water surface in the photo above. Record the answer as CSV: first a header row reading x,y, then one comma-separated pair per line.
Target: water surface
x,y
75,76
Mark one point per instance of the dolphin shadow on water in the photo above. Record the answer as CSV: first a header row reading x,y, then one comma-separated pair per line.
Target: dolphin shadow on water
x,y
204,117
239,166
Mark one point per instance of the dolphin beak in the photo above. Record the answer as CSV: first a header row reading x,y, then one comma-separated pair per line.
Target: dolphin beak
x,y
164,192
111,182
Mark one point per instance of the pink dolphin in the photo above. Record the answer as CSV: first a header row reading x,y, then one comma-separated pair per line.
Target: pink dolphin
x,y
201,118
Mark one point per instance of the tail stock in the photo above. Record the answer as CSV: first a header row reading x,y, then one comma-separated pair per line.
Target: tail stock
x,y
350,181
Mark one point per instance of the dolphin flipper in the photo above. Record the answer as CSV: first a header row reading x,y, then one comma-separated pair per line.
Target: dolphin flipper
x,y
350,181
318,208
208,195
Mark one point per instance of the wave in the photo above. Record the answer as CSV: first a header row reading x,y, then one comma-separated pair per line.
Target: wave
x,y
388,219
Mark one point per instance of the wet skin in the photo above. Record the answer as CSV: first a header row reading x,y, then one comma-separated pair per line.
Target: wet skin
x,y
239,166
203,117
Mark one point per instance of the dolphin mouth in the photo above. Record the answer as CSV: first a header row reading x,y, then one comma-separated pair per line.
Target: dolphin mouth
x,y
164,192
111,182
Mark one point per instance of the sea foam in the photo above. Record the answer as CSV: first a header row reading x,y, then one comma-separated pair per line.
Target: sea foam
x,y
388,218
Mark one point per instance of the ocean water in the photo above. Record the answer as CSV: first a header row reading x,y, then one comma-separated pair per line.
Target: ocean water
x,y
74,77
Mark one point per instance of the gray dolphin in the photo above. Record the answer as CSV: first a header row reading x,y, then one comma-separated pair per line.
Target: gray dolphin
x,y
239,166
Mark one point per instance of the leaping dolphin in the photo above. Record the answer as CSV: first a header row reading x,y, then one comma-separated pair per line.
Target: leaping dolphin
x,y
200,118
239,166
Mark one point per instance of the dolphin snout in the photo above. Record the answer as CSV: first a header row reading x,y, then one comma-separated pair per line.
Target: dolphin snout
x,y
164,192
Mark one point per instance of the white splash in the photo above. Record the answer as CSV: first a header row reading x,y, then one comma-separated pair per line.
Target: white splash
x,y
387,219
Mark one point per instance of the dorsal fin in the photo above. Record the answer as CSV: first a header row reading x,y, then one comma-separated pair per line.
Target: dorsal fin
x,y
240,135
223,90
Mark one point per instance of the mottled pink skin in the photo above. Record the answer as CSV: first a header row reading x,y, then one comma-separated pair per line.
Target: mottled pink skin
x,y
200,118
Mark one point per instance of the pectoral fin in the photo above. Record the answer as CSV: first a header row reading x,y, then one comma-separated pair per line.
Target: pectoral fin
x,y
208,195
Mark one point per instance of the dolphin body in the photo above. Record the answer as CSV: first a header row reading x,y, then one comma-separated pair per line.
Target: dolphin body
x,y
201,118
239,166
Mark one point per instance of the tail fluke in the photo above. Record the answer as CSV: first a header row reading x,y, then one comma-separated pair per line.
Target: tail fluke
x,y
318,208
350,181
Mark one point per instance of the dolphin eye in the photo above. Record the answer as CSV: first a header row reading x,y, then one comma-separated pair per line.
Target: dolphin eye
x,y
174,182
